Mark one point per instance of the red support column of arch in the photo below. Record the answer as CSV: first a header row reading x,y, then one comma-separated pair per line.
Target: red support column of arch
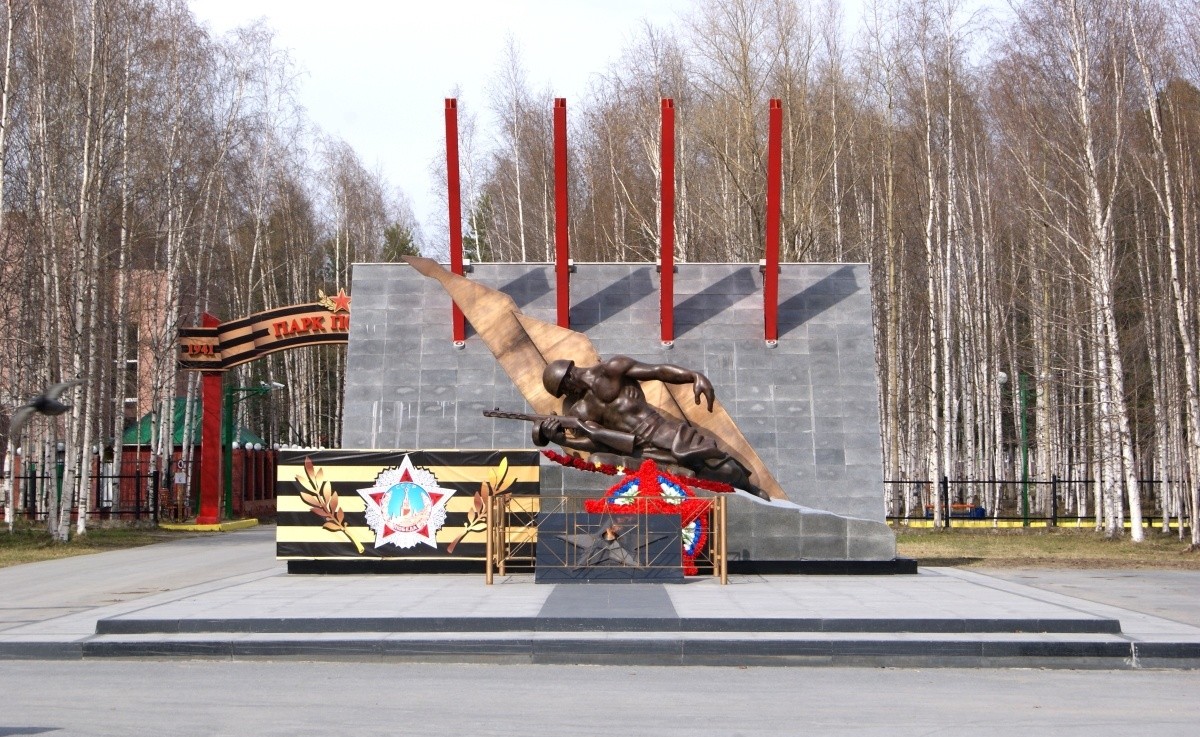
x,y
212,452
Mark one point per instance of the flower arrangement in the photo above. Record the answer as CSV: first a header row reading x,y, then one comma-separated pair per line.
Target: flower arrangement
x,y
649,490
718,487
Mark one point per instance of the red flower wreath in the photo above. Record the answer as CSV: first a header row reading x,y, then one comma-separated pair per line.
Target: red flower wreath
x,y
718,487
652,491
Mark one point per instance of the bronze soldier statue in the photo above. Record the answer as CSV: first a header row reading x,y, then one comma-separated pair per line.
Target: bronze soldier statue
x,y
605,397
605,412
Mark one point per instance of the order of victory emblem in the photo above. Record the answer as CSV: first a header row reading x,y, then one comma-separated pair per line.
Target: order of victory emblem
x,y
406,506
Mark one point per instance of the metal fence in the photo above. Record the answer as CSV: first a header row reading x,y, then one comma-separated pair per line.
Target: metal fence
x,y
134,495
141,492
1034,502
130,496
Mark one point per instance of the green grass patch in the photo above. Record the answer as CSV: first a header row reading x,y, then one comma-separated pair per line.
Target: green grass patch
x,y
1042,548
31,544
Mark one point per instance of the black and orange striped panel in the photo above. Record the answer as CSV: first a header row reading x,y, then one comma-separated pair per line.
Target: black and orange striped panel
x,y
325,498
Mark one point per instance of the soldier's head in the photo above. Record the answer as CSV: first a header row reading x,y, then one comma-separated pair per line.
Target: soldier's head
x,y
554,377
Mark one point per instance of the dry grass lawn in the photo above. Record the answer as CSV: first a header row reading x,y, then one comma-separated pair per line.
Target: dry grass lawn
x,y
29,545
1041,547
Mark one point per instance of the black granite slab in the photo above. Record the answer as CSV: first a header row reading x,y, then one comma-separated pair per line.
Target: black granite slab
x,y
669,651
645,601
580,547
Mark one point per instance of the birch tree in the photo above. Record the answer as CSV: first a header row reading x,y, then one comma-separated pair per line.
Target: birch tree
x,y
1069,60
1146,25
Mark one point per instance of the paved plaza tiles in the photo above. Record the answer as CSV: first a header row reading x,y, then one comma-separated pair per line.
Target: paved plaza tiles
x,y
225,596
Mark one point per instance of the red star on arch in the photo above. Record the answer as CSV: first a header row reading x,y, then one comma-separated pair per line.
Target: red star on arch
x,y
341,301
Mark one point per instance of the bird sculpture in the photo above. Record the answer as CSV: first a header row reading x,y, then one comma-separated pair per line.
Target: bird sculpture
x,y
44,404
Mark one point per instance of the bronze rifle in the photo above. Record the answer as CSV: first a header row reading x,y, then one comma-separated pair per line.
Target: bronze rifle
x,y
622,442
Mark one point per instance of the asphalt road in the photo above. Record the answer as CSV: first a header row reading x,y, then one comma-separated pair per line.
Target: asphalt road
x,y
181,698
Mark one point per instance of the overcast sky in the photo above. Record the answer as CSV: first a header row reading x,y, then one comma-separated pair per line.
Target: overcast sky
x,y
377,73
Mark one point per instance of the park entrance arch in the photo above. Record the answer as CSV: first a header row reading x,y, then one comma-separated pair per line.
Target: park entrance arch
x,y
215,347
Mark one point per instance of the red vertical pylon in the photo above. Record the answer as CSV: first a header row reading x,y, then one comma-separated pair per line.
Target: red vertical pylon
x,y
771,271
454,201
562,251
666,226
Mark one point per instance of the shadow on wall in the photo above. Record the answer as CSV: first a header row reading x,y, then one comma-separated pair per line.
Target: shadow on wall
x,y
816,298
527,287
727,292
718,297
523,290
620,295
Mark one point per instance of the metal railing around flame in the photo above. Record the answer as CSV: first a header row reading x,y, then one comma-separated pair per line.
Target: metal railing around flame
x,y
511,533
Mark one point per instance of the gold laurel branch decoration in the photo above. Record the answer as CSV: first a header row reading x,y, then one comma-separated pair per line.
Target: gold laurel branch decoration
x,y
497,484
322,501
324,300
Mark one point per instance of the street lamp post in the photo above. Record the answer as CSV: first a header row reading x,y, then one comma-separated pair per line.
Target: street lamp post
x,y
1023,388
231,399
1022,401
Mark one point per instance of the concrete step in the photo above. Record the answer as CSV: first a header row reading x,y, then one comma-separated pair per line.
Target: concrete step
x,y
1034,649
614,624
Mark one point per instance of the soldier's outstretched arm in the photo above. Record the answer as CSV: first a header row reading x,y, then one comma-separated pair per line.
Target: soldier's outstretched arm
x,y
671,374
